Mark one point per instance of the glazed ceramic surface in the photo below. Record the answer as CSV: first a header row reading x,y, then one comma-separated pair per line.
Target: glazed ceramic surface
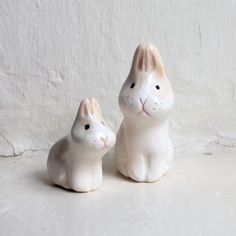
x,y
143,148
75,161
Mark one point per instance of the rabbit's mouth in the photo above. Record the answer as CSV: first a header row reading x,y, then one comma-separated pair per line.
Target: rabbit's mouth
x,y
143,108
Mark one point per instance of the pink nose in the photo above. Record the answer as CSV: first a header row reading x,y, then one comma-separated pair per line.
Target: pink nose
x,y
142,102
104,140
142,107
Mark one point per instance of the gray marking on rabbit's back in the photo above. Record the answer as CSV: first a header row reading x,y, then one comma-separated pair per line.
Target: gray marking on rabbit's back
x,y
59,148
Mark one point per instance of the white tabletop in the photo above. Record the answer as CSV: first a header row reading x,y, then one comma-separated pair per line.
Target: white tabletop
x,y
197,197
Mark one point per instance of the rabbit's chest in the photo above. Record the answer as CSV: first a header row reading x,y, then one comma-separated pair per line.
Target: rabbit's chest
x,y
147,142
83,175
146,163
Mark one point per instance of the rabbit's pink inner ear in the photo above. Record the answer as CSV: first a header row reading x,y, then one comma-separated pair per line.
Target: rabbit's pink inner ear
x,y
92,102
150,59
144,59
159,64
147,58
139,60
84,109
96,108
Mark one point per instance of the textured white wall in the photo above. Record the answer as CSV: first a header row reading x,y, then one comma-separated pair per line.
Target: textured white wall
x,y
54,53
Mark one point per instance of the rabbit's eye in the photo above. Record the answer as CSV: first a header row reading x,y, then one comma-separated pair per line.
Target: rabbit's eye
x,y
157,87
87,126
132,85
103,122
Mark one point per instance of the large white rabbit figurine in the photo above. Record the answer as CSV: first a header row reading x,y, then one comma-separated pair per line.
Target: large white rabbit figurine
x,y
75,161
143,148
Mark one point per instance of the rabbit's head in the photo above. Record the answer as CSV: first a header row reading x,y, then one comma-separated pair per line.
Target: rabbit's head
x,y
89,128
146,93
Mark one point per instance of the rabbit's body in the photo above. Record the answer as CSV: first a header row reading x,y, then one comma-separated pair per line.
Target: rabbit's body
x,y
143,161
70,167
143,148
75,161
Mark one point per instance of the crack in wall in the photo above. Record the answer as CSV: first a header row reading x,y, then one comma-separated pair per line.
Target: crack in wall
x,y
14,153
206,145
10,144
232,145
186,144
220,143
199,35
23,152
175,148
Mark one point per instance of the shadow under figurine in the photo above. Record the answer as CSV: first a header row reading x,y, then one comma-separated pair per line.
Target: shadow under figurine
x,y
143,148
75,161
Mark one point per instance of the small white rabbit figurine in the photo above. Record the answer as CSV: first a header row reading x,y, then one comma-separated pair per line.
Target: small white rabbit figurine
x,y
143,148
75,161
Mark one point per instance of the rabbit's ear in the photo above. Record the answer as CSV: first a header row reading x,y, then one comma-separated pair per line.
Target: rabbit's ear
x,y
95,108
84,109
147,58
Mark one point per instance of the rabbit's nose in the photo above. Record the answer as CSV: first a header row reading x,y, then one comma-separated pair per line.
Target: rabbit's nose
x,y
104,140
142,101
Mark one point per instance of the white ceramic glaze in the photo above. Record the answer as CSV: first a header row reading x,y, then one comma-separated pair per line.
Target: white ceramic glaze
x,y
75,161
143,148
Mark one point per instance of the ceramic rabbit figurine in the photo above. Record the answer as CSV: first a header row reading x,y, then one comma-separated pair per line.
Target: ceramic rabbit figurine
x,y
143,148
75,161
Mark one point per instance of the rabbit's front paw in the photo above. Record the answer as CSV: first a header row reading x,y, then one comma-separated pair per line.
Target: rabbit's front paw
x,y
82,189
155,176
81,185
137,171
